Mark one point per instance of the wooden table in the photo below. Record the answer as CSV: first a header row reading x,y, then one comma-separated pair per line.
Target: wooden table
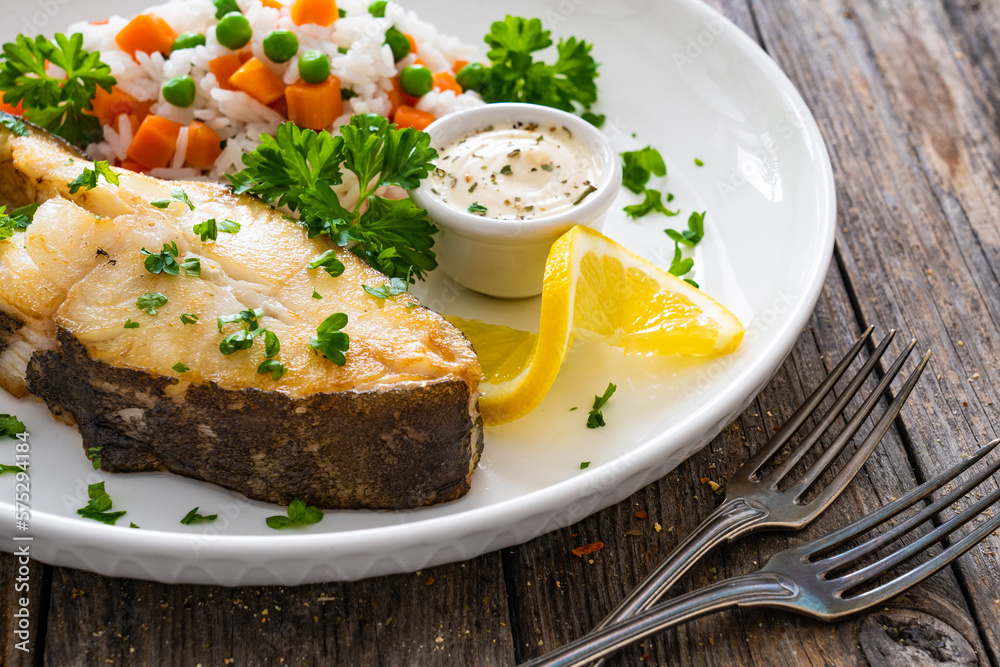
x,y
907,94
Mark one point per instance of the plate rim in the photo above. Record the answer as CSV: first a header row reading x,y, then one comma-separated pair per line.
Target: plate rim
x,y
430,536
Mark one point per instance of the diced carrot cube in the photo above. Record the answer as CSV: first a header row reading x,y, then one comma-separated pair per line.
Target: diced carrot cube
x,y
155,143
407,116
446,81
108,106
147,33
257,80
459,66
273,4
315,106
320,12
204,145
225,67
413,43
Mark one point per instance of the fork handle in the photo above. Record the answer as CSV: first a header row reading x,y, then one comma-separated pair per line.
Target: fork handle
x,y
757,588
729,520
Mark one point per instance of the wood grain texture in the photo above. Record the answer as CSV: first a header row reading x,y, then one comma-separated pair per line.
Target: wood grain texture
x,y
12,582
900,91
450,615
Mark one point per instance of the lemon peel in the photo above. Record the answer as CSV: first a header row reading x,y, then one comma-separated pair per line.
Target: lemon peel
x,y
594,290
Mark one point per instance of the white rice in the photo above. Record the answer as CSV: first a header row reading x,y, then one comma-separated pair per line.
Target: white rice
x,y
367,69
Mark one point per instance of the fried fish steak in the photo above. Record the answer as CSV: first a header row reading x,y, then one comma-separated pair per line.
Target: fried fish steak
x,y
397,426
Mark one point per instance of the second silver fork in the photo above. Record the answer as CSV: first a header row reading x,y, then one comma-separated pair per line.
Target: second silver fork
x,y
754,502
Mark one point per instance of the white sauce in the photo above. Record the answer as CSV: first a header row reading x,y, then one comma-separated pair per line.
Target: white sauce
x,y
515,173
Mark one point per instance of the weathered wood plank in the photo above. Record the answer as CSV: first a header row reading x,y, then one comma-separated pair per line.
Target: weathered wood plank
x,y
450,615
906,95
556,596
17,585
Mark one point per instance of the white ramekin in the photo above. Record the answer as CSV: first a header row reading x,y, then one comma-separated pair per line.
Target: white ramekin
x,y
506,258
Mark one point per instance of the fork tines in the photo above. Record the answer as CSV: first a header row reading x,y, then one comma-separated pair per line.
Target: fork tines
x,y
797,488
828,568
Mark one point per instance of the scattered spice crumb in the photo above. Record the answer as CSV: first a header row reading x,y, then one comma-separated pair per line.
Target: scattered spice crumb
x,y
640,515
634,532
428,581
580,552
657,527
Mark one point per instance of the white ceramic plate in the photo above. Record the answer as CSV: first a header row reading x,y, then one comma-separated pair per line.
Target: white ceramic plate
x,y
678,76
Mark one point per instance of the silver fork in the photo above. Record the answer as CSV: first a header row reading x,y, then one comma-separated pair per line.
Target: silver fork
x,y
754,502
807,580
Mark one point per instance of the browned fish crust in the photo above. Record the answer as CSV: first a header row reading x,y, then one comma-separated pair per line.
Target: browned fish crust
x,y
388,449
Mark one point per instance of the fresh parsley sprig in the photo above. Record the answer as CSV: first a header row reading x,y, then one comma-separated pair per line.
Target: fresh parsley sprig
x,y
298,169
98,505
515,76
58,104
299,514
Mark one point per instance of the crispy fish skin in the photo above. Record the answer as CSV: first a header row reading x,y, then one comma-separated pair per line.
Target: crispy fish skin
x,y
397,427
378,449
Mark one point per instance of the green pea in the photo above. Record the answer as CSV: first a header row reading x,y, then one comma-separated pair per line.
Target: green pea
x,y
471,76
188,40
314,67
179,91
416,80
377,9
281,46
234,31
398,43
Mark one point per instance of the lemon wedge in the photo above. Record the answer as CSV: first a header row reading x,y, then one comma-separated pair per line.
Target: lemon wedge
x,y
595,290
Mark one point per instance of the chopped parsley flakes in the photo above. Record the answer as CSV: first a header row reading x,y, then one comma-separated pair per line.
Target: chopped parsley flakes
x,y
193,517
88,179
330,341
98,506
11,427
176,195
596,418
150,302
209,230
299,514
328,262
